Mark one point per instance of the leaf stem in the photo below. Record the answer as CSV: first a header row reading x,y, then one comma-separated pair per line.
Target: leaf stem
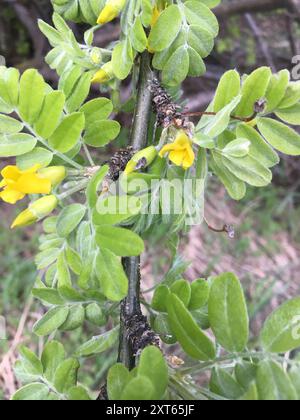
x,y
202,367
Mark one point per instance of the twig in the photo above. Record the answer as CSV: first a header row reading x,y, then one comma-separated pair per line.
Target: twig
x,y
130,308
260,41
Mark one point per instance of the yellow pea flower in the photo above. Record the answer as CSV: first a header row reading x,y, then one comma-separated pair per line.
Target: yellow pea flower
x,y
105,74
36,211
180,151
111,10
16,183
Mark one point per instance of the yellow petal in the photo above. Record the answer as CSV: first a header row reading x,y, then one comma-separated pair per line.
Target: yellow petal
x,y
166,149
182,141
189,158
11,172
3,183
32,170
11,196
33,184
100,77
25,218
177,157
108,14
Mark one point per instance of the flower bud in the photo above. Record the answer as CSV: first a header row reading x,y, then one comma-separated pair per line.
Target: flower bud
x,y
141,160
96,55
36,211
105,74
55,174
111,10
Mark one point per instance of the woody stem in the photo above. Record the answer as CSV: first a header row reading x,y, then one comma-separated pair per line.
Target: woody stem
x,y
139,139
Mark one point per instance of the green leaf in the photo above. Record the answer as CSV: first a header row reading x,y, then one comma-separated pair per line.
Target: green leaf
x,y
248,170
122,59
69,219
199,14
160,38
32,392
193,341
235,187
281,137
48,295
281,331
38,155
9,86
153,366
199,294
30,362
32,94
110,272
273,383
222,383
75,318
98,344
196,64
228,314
220,122
63,273
277,89
67,134
116,209
51,33
139,389
51,114
159,300
200,40
237,148
65,376
79,93
97,109
292,95
10,125
94,186
74,260
16,144
117,379
53,355
290,115
101,133
51,321
182,289
253,89
251,394
259,149
228,88
120,241
46,258
162,327
138,36
95,315
78,393
245,373
177,67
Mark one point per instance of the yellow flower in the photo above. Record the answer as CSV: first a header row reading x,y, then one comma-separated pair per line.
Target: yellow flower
x,y
181,151
105,74
36,211
16,183
111,10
